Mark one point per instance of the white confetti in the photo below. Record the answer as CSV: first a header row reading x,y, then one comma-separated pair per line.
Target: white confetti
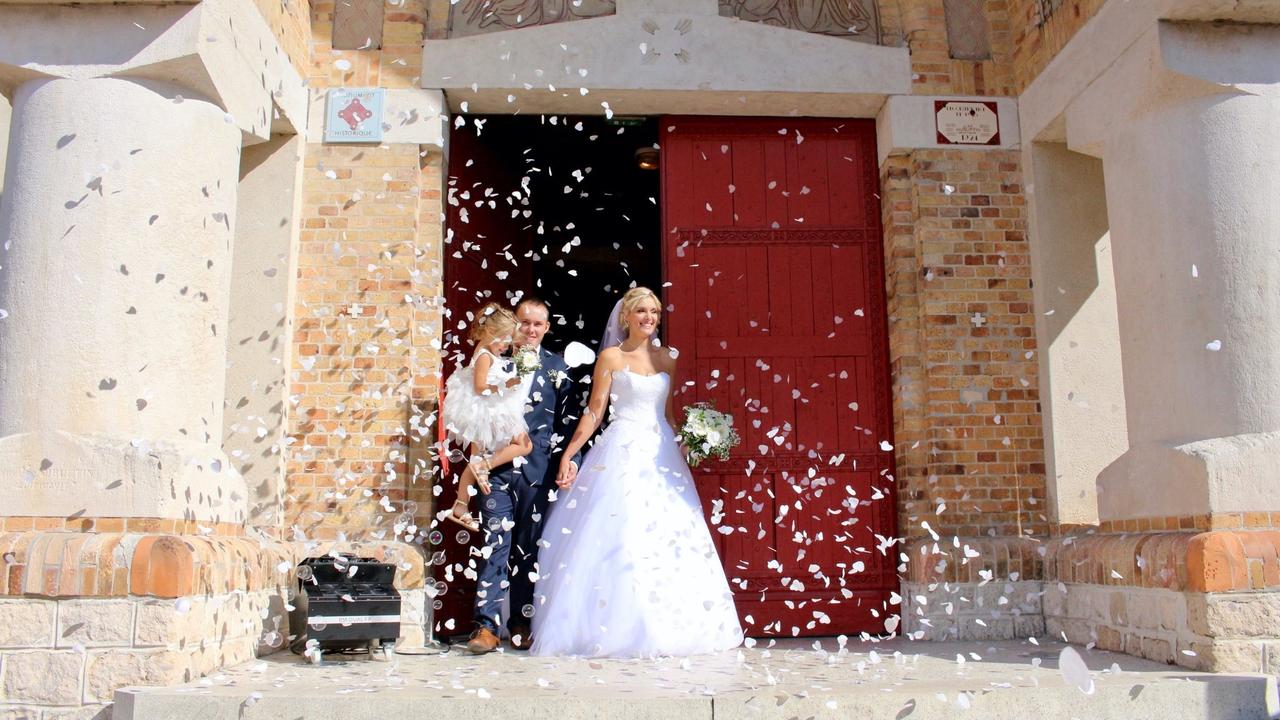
x,y
1074,671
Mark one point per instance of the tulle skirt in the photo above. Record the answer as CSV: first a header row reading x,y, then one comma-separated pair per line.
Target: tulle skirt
x,y
490,420
627,566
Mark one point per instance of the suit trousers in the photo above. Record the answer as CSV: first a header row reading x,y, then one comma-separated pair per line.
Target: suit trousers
x,y
511,517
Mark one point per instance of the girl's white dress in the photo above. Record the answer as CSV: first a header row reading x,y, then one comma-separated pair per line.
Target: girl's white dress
x,y
490,420
627,567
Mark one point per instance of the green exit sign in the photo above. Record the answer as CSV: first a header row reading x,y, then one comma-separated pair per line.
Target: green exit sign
x,y
626,120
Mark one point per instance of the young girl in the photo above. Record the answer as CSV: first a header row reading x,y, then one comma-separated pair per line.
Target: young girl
x,y
484,408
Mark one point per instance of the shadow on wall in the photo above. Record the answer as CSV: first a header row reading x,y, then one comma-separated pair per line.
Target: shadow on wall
x,y
6,111
1085,422
264,261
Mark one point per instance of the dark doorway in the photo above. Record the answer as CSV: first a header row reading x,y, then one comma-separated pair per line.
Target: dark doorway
x,y
553,206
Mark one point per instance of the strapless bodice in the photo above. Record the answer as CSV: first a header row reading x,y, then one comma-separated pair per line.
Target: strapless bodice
x,y
636,398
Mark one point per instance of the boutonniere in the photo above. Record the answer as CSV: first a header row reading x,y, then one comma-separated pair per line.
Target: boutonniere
x,y
558,377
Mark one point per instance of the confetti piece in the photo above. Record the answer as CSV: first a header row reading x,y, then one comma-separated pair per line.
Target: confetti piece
x,y
1074,671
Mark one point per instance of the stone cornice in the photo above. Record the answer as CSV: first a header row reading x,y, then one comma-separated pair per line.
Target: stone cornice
x,y
221,50
657,56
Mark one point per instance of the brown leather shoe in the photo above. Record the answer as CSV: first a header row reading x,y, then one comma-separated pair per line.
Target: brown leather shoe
x,y
482,641
521,637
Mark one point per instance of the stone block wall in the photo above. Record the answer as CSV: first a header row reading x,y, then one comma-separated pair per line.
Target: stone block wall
x,y
1208,600
85,614
972,589
1205,601
71,655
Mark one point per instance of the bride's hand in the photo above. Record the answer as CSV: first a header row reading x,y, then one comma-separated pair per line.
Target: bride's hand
x,y
567,474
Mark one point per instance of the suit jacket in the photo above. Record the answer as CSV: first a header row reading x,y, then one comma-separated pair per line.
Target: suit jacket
x,y
551,415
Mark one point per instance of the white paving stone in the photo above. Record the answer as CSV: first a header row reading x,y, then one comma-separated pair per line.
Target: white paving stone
x,y
922,681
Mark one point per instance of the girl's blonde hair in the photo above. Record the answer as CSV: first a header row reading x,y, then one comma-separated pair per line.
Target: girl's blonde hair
x,y
492,320
631,299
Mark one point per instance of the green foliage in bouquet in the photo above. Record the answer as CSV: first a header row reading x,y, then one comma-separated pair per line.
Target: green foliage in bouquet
x,y
707,432
526,360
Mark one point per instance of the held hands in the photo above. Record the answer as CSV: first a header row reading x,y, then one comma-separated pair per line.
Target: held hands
x,y
567,474
513,382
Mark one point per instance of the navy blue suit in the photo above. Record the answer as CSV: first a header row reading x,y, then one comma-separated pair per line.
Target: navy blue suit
x,y
513,513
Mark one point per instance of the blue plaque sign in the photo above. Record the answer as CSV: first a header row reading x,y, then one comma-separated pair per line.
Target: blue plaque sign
x,y
353,115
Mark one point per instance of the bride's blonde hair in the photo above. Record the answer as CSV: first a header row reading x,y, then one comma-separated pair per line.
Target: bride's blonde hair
x,y
631,299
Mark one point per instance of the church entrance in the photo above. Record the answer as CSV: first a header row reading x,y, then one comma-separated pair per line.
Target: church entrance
x,y
564,208
763,238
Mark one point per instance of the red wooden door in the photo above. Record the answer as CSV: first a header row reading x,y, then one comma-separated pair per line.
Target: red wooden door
x,y
772,248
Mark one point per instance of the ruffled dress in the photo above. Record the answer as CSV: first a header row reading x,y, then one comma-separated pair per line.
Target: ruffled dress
x,y
492,419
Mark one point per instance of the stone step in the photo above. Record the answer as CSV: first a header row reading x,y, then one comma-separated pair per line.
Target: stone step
x,y
902,680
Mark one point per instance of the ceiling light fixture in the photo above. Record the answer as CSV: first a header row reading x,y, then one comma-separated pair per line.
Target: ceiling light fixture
x,y
647,158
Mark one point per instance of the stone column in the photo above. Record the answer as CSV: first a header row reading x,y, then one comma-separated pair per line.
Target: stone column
x,y
115,239
1192,167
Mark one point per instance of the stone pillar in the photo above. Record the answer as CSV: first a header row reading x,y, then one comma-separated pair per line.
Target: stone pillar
x,y
116,233
1190,159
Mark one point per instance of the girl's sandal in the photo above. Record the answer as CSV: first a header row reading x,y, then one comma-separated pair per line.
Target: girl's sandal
x,y
481,470
465,519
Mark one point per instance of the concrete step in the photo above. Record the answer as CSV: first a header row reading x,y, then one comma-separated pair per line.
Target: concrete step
x,y
893,680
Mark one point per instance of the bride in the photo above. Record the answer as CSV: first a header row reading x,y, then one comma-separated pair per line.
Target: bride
x,y
627,565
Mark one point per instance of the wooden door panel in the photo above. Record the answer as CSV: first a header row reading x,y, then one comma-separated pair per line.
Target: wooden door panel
x,y
773,256
750,204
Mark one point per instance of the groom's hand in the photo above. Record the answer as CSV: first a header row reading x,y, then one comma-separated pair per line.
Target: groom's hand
x,y
568,473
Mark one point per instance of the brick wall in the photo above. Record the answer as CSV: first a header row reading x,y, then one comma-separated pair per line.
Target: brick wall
x,y
962,345
1022,44
922,26
368,309
290,20
397,64
1036,42
364,378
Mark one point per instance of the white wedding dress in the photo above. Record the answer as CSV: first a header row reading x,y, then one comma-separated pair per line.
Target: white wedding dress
x,y
627,567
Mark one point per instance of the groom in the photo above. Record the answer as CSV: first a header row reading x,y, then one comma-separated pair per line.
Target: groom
x,y
513,512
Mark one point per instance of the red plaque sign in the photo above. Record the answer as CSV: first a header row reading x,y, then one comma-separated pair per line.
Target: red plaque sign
x,y
967,122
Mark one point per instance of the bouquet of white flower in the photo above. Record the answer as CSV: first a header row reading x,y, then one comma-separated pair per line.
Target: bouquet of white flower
x,y
526,360
706,432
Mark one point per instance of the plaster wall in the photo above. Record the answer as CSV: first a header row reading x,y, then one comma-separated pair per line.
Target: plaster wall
x,y
1075,297
260,326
